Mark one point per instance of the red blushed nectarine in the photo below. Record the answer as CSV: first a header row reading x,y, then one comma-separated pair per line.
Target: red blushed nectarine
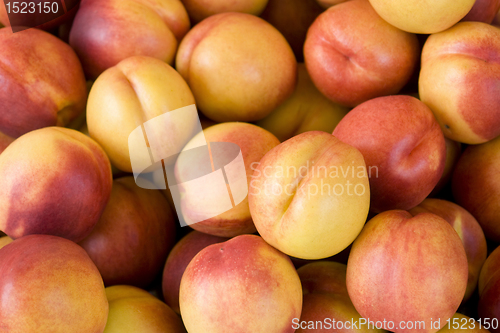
x,y
42,82
407,268
321,276
243,285
496,19
476,185
130,243
348,67
54,181
177,261
49,284
107,32
459,81
468,229
401,140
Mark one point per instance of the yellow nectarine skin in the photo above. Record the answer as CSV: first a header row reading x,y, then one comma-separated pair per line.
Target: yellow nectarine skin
x,y
459,81
306,110
49,284
238,66
309,196
54,181
422,16
125,96
5,240
135,310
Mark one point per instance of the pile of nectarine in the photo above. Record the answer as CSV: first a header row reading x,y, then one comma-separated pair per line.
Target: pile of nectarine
x,y
249,166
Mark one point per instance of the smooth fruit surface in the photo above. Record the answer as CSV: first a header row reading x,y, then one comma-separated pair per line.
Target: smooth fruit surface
x,y
242,285
405,268
49,284
422,16
349,68
403,147
238,66
54,181
459,81
309,196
